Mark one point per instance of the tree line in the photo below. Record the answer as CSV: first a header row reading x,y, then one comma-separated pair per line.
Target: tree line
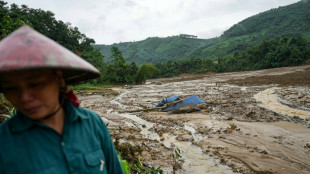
x,y
118,71
278,52
13,16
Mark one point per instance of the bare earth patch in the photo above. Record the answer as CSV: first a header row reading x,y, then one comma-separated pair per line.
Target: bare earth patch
x,y
251,123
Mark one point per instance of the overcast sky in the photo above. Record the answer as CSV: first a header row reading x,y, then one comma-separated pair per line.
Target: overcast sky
x,y
114,21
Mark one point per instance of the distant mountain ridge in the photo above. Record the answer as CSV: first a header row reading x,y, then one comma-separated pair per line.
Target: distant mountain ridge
x,y
291,20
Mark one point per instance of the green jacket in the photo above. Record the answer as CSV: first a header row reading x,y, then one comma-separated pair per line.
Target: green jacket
x,y
30,147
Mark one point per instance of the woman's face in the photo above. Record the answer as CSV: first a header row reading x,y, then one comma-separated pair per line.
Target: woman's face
x,y
34,93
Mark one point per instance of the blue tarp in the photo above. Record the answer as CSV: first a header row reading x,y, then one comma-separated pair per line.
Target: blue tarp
x,y
167,100
192,100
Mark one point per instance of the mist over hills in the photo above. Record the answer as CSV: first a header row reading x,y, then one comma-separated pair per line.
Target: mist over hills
x,y
291,21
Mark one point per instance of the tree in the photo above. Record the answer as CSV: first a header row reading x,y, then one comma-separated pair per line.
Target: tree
x,y
118,71
146,71
13,16
9,25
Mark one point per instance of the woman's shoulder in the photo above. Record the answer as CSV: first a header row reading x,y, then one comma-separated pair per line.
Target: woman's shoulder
x,y
6,123
87,114
7,126
77,112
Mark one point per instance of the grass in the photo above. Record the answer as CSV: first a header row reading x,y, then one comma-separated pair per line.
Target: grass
x,y
87,88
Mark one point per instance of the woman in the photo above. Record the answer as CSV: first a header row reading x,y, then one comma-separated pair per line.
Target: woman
x,y
50,133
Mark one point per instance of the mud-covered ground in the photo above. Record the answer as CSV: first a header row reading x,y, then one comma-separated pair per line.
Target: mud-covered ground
x,y
253,122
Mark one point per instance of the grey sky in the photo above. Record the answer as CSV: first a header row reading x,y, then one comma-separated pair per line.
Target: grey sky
x,y
110,21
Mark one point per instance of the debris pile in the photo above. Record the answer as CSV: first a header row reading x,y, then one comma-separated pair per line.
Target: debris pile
x,y
173,105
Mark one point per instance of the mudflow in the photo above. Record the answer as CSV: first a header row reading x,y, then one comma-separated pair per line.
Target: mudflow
x,y
254,122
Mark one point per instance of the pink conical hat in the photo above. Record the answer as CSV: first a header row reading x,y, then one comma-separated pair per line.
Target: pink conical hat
x,y
26,49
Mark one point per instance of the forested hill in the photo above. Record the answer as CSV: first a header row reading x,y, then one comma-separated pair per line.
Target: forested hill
x,y
155,49
291,20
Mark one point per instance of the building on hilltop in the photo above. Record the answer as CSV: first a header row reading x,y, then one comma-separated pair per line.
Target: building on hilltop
x,y
188,36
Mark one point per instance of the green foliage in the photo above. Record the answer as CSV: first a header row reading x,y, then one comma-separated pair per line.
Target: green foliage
x,y
11,112
176,160
139,168
9,25
95,58
136,164
146,71
155,49
291,21
13,16
6,109
124,164
85,88
118,71
278,52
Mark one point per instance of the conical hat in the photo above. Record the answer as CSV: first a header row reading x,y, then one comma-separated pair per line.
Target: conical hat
x,y
26,49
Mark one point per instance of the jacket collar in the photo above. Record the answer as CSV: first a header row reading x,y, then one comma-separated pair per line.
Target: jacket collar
x,y
73,113
20,123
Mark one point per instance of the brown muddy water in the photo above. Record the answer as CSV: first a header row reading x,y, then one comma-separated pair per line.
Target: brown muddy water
x,y
252,123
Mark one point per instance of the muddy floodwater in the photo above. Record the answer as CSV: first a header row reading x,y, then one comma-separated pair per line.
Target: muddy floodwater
x,y
253,122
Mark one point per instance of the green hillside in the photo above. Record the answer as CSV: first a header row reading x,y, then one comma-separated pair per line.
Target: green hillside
x,y
292,20
155,49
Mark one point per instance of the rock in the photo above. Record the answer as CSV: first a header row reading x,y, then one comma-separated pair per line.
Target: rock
x,y
153,145
231,165
285,158
221,136
229,118
263,152
202,105
131,137
250,113
223,161
228,130
187,138
178,138
254,164
144,126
